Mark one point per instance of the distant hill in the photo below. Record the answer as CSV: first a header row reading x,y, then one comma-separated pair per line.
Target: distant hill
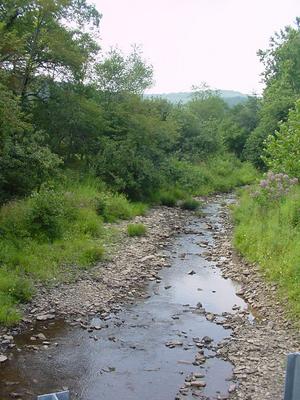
x,y
231,97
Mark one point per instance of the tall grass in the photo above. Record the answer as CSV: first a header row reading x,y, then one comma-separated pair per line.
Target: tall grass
x,y
269,234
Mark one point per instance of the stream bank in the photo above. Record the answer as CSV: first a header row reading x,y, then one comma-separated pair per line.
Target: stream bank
x,y
185,335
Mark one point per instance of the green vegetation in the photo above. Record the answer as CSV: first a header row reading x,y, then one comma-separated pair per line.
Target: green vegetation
x,y
281,77
190,204
268,217
81,147
52,234
268,232
136,229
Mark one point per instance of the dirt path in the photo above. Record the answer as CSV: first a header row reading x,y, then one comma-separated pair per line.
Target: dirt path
x,y
198,331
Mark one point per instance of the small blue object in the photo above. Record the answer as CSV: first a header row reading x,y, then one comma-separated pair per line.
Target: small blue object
x,y
292,379
55,396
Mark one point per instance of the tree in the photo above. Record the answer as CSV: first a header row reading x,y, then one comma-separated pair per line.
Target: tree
x,y
199,122
282,79
240,121
119,74
37,42
282,152
25,159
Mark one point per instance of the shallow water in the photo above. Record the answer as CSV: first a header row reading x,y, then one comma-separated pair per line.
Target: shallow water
x,y
128,358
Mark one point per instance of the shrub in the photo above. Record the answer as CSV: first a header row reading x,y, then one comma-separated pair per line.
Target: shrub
x,y
116,206
136,230
14,221
190,204
88,223
282,149
273,188
168,199
48,212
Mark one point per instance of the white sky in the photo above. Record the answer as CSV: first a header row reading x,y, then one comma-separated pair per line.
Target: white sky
x,y
194,41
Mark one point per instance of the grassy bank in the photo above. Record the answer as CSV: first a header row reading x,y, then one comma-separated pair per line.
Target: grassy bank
x,y
61,229
54,233
268,232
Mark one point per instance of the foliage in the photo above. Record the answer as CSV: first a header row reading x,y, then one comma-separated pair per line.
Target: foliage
x,y
136,230
79,142
113,207
52,234
117,73
282,79
199,122
269,234
25,160
282,152
238,125
37,42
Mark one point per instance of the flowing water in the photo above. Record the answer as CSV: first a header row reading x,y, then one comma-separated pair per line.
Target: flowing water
x,y
128,358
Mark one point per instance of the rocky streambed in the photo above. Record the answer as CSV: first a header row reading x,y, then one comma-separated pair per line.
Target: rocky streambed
x,y
173,315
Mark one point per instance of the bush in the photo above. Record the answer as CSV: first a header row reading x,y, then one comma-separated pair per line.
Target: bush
x,y
48,212
222,173
113,207
168,199
136,230
190,204
282,149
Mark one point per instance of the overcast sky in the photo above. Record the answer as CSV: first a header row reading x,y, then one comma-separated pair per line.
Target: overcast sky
x,y
194,41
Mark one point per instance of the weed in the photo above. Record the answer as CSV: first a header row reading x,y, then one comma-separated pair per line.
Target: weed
x,y
190,204
136,229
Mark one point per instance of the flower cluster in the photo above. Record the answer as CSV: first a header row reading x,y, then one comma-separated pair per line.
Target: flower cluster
x,y
274,186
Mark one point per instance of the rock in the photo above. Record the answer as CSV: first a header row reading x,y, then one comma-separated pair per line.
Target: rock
x,y
40,336
45,317
168,286
210,317
232,388
207,339
174,343
191,272
8,337
198,383
15,395
3,358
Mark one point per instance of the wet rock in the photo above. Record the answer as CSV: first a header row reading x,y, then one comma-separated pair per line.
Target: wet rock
x,y
45,317
191,272
207,339
41,336
3,358
174,343
198,383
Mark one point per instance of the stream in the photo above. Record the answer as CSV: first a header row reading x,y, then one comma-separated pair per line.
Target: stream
x,y
146,350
